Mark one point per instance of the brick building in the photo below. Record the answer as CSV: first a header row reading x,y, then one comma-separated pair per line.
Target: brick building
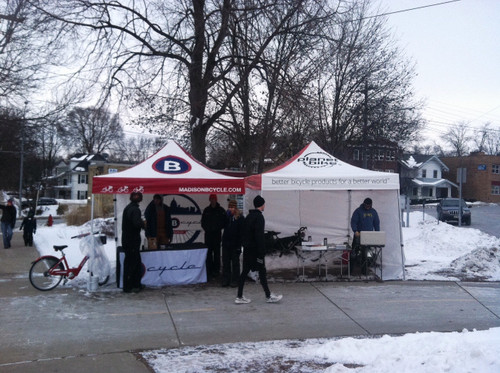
x,y
381,155
482,176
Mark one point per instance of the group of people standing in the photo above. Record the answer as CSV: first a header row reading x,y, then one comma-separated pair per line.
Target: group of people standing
x,y
228,229
158,227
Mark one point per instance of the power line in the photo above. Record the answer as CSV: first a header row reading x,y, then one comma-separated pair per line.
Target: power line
x,y
411,9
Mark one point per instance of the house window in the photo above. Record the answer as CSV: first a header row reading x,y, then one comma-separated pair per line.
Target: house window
x,y
355,155
415,191
82,179
380,155
82,194
424,173
435,174
495,168
495,189
390,155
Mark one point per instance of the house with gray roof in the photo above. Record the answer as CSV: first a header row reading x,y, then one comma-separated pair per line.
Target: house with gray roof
x,y
422,177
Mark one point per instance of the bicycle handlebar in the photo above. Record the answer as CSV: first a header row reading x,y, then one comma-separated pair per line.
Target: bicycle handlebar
x,y
84,235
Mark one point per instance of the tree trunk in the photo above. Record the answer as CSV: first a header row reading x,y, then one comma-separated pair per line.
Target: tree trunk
x,y
198,143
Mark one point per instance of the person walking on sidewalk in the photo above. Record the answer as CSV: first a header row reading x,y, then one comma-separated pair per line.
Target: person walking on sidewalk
x,y
8,222
254,251
28,226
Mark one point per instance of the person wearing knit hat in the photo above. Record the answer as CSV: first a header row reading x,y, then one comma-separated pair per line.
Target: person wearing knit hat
x,y
254,251
258,202
364,218
213,221
231,245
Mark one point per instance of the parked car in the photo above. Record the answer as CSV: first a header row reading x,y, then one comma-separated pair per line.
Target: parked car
x,y
44,201
448,210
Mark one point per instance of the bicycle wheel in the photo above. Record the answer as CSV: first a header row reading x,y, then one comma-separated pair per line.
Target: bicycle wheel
x,y
103,280
39,273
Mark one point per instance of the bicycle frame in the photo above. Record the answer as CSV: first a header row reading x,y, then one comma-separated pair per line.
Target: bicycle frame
x,y
67,271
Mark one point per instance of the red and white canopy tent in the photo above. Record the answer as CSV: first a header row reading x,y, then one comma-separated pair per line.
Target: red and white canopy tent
x,y
170,171
174,172
316,190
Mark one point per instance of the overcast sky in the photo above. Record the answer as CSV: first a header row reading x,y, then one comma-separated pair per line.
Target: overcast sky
x,y
456,46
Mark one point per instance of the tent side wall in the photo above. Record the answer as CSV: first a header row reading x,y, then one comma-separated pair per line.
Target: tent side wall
x,y
327,214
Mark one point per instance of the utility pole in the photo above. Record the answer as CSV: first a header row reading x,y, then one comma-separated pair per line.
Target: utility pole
x,y
21,166
365,128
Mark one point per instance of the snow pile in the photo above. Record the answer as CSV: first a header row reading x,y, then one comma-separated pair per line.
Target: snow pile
x,y
480,264
477,351
435,251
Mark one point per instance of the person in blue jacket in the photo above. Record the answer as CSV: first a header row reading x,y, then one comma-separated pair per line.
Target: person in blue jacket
x,y
364,218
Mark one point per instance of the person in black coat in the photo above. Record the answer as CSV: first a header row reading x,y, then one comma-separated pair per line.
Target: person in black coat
x,y
231,245
213,221
29,226
159,221
132,224
8,222
254,251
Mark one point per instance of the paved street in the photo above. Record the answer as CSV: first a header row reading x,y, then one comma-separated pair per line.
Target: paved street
x,y
69,329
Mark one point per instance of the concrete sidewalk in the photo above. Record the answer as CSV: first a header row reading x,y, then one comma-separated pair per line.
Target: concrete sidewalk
x,y
69,329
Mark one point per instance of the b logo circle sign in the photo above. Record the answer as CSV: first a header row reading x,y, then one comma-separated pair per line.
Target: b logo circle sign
x,y
171,165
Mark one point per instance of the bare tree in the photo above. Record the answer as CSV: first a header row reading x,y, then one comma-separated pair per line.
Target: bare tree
x,y
29,44
268,115
365,92
161,48
458,137
49,143
135,149
92,130
487,139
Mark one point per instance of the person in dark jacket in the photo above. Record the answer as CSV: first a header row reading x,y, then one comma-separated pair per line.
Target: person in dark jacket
x,y
254,251
213,221
158,222
29,226
364,218
8,221
132,224
231,245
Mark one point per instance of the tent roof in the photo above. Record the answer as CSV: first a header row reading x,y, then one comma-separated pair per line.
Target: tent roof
x,y
170,171
314,169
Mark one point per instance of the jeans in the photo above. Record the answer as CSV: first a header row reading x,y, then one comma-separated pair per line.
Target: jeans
x,y
6,234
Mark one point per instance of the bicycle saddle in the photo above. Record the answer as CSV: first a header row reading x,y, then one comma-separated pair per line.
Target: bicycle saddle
x,y
273,232
60,247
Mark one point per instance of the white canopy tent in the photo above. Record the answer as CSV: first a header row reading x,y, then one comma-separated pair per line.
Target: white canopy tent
x,y
316,190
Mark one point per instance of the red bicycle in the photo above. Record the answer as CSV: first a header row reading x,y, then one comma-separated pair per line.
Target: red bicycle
x,y
48,271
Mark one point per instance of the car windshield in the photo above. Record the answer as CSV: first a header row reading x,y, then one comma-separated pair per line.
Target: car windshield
x,y
453,203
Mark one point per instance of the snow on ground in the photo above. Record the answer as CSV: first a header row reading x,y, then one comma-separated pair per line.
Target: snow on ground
x,y
433,251
476,351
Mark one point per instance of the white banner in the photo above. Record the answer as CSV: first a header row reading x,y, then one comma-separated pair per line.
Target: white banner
x,y
171,267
